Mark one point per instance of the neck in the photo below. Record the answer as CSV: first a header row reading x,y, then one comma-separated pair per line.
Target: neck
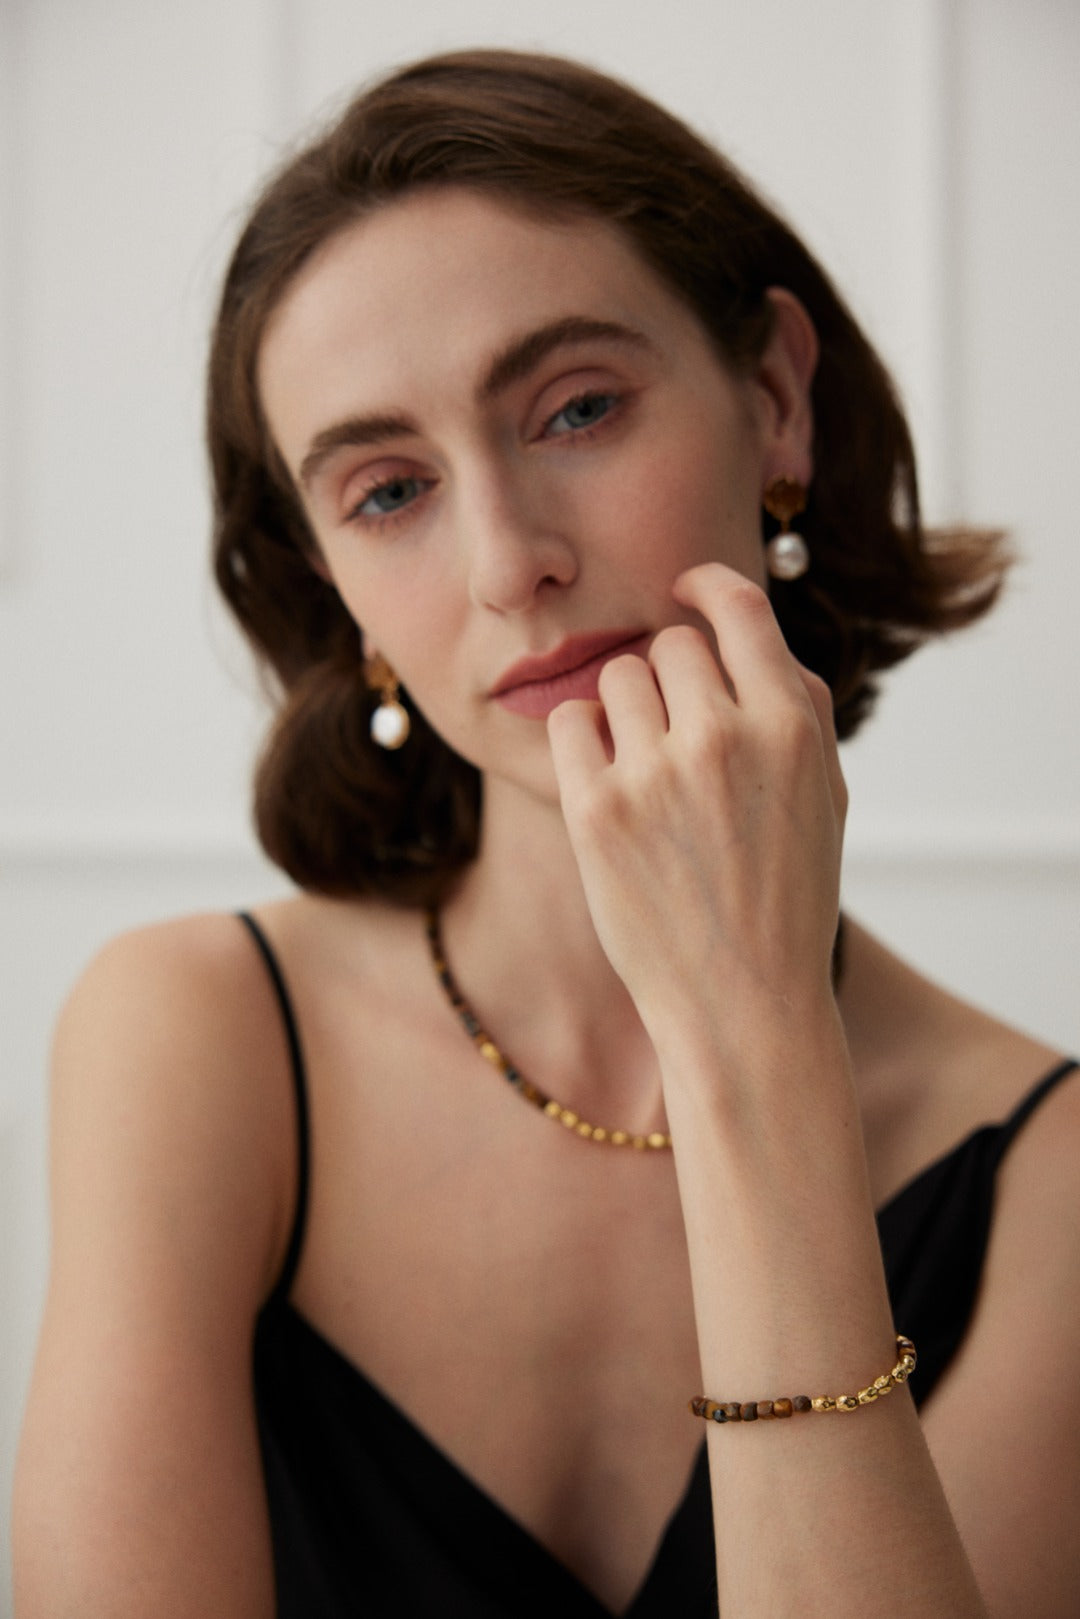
x,y
522,946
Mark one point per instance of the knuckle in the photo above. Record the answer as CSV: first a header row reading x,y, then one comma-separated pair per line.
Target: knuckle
x,y
680,637
713,747
602,810
816,685
749,599
618,670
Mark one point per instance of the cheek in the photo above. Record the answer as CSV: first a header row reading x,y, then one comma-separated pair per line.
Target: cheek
x,y
389,597
676,509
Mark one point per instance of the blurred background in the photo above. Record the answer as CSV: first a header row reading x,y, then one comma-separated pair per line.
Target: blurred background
x,y
927,149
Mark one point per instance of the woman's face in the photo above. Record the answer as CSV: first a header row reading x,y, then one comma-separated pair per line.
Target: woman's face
x,y
510,438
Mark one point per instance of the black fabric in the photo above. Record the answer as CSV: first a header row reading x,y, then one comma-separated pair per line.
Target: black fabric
x,y
369,1517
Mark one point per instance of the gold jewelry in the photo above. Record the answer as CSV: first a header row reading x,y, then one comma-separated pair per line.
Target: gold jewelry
x,y
736,1411
786,555
390,724
656,1140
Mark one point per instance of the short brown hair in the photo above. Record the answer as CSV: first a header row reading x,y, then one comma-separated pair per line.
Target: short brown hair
x,y
343,817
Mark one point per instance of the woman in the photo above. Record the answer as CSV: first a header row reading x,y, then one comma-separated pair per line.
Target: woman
x,y
523,405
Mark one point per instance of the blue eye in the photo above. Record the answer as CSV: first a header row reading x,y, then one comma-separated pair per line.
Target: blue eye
x,y
586,411
388,497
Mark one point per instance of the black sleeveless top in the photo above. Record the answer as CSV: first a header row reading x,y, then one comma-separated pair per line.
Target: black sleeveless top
x,y
370,1518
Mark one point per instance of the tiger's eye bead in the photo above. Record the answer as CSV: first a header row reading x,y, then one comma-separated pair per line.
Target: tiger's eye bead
x,y
749,1411
765,1409
719,1413
802,1402
783,1408
733,1411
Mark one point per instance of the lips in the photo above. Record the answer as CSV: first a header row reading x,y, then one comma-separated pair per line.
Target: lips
x,y
534,686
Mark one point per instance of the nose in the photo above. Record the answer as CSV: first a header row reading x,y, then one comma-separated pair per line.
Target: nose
x,y
515,547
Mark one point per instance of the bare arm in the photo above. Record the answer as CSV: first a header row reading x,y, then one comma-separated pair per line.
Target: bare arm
x,y
138,1486
709,843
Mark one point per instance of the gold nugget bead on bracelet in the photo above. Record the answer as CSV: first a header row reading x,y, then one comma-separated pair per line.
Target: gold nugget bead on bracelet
x,y
765,1410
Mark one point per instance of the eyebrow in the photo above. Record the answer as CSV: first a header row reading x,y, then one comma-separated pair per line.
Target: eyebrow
x,y
524,354
512,364
354,430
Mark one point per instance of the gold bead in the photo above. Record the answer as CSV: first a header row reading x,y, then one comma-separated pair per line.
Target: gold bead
x,y
568,1117
847,1402
599,1134
553,1109
823,1402
658,1139
584,1129
868,1395
488,1049
619,1138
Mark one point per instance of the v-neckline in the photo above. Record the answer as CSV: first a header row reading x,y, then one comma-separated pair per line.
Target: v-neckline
x,y
533,1562
530,1563
687,1531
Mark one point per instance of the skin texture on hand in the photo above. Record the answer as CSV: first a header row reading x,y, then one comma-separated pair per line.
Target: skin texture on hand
x,y
705,805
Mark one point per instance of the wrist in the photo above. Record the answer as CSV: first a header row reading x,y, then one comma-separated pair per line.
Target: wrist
x,y
738,1044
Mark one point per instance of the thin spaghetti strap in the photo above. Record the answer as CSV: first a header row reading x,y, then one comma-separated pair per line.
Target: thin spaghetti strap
x,y
1023,1111
303,1131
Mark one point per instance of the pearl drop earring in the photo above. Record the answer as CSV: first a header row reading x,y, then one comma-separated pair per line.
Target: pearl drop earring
x,y
786,555
390,722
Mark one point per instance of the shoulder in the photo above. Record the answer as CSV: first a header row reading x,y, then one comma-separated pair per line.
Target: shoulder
x,y
170,1073
1012,1381
172,1168
931,1068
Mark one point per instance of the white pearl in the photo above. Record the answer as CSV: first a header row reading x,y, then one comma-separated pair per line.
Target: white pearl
x,y
786,556
390,724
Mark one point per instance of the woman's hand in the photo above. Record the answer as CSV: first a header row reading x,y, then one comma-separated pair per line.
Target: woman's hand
x,y
707,818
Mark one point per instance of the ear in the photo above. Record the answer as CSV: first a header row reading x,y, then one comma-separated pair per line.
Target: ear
x,y
784,376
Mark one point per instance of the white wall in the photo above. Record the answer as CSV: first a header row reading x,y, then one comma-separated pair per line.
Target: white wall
x,y
927,148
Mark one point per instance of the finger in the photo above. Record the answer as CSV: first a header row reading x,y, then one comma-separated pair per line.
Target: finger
x,y
692,683
577,732
635,710
752,646
822,699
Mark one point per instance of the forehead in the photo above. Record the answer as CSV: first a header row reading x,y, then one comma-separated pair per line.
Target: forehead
x,y
426,288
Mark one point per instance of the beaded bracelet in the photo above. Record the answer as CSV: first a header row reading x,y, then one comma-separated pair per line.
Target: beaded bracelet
x,y
736,1411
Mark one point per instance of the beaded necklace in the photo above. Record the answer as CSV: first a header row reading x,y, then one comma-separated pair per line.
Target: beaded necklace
x,y
655,1141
